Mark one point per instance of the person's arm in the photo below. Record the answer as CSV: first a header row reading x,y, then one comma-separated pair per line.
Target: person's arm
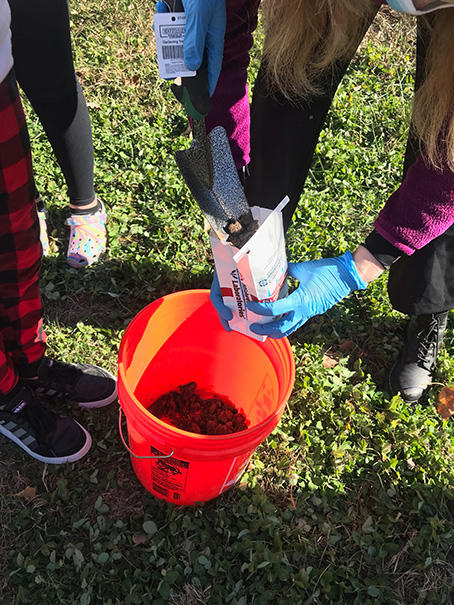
x,y
323,283
368,267
420,210
204,33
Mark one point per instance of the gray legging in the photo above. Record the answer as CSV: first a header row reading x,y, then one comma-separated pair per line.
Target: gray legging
x,y
45,71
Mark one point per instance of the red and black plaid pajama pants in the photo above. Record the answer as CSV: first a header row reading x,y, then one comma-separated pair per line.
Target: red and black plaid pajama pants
x,y
22,340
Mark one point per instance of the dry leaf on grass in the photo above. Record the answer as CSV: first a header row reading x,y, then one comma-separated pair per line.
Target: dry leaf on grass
x,y
330,359
28,493
446,402
346,345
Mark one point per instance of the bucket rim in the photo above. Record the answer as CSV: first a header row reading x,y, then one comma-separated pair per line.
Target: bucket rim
x,y
281,345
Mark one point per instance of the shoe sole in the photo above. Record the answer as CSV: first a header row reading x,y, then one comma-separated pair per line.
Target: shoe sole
x,y
54,460
100,403
76,265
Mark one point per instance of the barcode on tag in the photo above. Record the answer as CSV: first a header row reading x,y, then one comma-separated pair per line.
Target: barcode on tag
x,y
169,30
172,52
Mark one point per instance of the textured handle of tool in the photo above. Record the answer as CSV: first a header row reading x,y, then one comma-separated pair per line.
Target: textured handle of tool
x,y
192,92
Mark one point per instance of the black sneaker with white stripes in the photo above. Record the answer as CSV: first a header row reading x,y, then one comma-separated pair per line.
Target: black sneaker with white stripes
x,y
85,384
41,433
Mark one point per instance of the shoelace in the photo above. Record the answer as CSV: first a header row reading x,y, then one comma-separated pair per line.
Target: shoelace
x,y
40,419
428,344
59,379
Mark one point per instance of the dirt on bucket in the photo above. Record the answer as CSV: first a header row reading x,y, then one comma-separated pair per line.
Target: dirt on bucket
x,y
187,410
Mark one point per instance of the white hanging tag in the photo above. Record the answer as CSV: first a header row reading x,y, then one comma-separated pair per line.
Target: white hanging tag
x,y
169,31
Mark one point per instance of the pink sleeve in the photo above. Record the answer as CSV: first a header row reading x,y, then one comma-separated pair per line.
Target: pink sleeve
x,y
420,210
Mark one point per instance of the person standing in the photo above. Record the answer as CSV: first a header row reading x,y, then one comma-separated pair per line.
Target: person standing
x,y
27,375
306,54
44,67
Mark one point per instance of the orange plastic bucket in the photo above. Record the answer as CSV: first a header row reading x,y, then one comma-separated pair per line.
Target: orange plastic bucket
x,y
178,339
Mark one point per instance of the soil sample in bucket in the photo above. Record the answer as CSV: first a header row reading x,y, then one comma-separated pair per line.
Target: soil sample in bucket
x,y
187,410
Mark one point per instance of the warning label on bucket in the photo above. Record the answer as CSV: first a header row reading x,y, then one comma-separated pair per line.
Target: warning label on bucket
x,y
168,474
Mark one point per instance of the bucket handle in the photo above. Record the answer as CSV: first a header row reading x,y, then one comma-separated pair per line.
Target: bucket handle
x,y
120,411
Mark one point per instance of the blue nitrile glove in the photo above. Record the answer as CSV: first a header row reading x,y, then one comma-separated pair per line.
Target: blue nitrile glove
x,y
225,314
322,284
205,29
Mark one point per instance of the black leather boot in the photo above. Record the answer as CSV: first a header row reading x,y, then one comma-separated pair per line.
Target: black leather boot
x,y
412,373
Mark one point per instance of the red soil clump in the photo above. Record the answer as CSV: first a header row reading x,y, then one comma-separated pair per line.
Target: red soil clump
x,y
186,410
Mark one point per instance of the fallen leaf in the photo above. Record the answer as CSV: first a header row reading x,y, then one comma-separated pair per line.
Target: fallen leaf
x,y
28,493
446,402
330,359
139,538
346,345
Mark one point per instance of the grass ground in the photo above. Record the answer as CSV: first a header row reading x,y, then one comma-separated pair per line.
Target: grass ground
x,y
351,498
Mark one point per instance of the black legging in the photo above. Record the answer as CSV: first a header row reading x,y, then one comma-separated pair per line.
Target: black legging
x,y
283,140
44,68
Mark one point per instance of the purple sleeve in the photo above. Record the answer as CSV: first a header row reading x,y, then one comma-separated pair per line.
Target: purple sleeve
x,y
230,101
420,210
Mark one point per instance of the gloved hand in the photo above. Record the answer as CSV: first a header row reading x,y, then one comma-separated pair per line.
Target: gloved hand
x,y
205,29
322,284
225,314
